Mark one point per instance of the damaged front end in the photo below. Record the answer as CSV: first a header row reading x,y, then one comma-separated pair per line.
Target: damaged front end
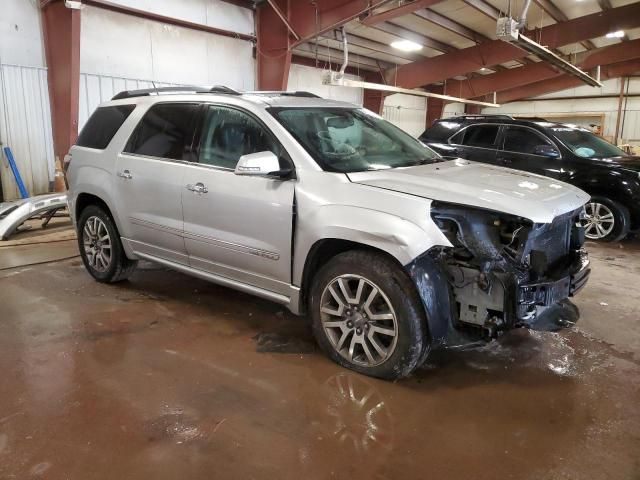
x,y
503,271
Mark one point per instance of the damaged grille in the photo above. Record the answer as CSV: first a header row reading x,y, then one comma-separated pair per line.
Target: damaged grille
x,y
502,267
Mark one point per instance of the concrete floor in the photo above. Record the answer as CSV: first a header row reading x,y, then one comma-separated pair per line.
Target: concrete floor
x,y
169,377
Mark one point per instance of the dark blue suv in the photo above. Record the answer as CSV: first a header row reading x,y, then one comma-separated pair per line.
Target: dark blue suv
x,y
569,153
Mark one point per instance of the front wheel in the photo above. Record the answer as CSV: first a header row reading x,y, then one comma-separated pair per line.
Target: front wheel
x,y
605,220
367,315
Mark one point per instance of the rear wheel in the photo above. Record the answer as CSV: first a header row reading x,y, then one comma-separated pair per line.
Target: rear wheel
x,y
605,220
100,246
367,315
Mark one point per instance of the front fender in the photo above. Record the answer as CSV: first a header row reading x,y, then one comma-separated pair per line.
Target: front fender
x,y
402,239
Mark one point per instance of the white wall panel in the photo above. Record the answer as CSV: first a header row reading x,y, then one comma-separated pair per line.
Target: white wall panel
x,y
407,112
20,33
25,126
213,13
453,110
117,45
309,79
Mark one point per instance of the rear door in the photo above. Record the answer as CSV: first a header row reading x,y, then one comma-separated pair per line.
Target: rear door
x,y
477,142
149,180
238,227
518,151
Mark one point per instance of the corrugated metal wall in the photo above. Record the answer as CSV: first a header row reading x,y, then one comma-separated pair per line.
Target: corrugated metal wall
x,y
95,89
25,126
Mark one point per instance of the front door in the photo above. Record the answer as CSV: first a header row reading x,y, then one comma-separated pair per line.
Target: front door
x,y
149,181
235,226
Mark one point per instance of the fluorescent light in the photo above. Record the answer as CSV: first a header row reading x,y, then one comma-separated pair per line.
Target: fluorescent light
x,y
406,45
617,34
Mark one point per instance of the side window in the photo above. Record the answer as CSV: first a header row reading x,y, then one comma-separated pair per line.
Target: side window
x,y
458,138
522,140
103,125
227,134
164,131
481,136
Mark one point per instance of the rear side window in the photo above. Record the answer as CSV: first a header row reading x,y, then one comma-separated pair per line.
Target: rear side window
x,y
481,136
103,125
440,131
164,131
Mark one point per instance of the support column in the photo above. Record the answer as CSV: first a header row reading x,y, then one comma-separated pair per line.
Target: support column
x,y
435,106
373,99
61,29
273,53
471,109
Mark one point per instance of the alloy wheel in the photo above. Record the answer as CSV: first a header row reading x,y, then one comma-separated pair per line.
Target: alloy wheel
x,y
97,244
358,320
598,221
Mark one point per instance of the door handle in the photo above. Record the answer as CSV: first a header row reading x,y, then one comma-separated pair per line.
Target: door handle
x,y
197,188
125,174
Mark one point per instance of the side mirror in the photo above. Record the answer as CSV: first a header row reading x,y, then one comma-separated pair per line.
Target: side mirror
x,y
546,151
261,164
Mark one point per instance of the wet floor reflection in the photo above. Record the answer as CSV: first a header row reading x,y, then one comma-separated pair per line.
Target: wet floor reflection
x,y
169,377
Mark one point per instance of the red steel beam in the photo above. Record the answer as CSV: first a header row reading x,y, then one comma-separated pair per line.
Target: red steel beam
x,y
515,77
486,54
61,31
435,106
309,20
404,9
559,16
331,14
485,8
273,49
451,25
373,99
564,82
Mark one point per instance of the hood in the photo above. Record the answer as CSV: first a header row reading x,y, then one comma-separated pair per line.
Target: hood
x,y
462,182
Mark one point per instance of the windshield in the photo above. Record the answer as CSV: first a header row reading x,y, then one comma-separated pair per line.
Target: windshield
x,y
586,144
352,140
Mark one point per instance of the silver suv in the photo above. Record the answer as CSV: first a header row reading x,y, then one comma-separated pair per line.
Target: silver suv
x,y
328,209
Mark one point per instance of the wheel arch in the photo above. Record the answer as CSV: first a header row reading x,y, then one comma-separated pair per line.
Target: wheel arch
x,y
322,251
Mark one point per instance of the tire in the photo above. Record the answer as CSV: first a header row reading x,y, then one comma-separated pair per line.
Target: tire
x,y
606,220
346,333
97,233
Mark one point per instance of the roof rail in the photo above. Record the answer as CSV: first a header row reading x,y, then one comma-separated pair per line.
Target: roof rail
x,y
221,89
148,91
187,89
533,119
471,117
224,89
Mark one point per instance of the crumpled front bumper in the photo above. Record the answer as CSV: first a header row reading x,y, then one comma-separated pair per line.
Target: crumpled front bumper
x,y
551,291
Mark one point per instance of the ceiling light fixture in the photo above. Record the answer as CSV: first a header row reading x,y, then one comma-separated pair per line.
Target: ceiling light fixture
x,y
406,45
616,34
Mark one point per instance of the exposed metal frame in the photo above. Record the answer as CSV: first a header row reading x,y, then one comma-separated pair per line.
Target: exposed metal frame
x,y
546,55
